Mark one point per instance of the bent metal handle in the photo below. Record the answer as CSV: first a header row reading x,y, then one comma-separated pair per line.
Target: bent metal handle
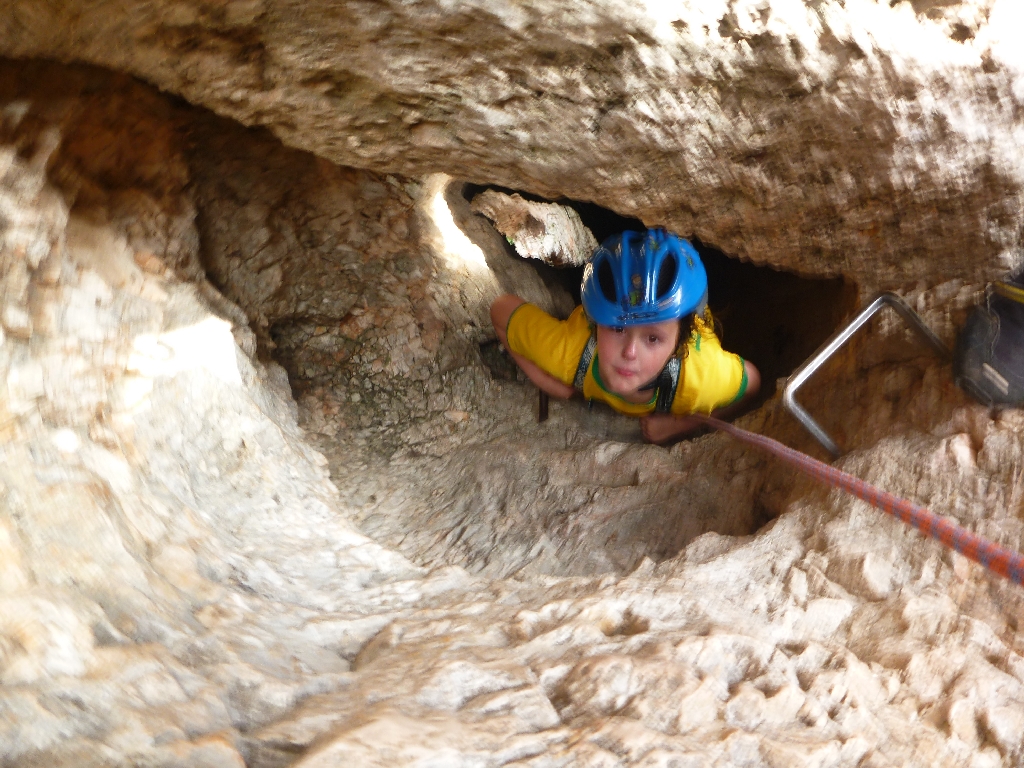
x,y
830,347
999,559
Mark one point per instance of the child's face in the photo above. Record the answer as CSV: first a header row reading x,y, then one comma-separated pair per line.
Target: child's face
x,y
628,358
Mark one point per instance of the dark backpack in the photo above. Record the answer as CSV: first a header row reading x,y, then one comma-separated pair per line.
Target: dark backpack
x,y
989,359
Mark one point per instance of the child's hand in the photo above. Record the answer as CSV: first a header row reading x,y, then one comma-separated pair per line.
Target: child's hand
x,y
661,427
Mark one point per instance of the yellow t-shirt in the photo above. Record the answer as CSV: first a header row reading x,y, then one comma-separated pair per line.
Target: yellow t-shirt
x,y
710,378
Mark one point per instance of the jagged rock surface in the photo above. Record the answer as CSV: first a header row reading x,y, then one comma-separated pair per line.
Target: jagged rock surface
x,y
872,139
181,583
550,232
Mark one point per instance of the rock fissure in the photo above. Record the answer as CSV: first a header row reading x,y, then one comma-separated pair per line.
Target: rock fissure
x,y
270,495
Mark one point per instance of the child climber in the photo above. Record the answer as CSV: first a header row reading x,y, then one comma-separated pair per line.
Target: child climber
x,y
642,342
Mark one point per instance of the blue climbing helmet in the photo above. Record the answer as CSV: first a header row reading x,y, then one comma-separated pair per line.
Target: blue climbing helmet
x,y
644,277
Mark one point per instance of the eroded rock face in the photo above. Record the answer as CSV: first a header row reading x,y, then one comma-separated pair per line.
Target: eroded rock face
x,y
426,432
117,592
875,140
186,580
550,232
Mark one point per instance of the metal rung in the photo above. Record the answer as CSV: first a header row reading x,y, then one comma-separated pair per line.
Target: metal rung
x,y
830,347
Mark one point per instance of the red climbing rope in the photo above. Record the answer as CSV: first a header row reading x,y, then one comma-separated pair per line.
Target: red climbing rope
x,y
996,558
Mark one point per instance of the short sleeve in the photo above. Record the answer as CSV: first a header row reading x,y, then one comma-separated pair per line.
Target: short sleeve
x,y
712,377
553,345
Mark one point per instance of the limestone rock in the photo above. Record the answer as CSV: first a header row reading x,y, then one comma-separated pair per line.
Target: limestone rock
x,y
547,231
874,140
185,579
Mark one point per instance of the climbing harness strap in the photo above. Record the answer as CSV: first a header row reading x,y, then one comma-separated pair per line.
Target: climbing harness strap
x,y
584,364
1009,291
995,557
667,381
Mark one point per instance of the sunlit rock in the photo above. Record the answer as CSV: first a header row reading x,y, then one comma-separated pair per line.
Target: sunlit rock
x,y
270,494
872,139
547,231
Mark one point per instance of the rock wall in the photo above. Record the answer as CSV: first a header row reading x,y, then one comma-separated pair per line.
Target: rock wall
x,y
402,567
550,232
875,140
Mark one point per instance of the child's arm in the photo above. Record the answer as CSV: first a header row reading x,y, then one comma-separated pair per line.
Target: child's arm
x,y
662,427
501,311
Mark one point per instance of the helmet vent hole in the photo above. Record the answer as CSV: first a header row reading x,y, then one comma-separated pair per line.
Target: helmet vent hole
x,y
667,276
606,280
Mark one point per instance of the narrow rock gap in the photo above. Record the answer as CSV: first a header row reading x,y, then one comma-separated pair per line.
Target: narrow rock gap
x,y
180,584
772,317
377,309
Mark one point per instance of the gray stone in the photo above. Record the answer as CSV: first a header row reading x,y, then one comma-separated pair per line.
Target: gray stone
x,y
547,231
196,569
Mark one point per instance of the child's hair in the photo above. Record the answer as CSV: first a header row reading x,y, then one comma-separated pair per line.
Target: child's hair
x,y
688,325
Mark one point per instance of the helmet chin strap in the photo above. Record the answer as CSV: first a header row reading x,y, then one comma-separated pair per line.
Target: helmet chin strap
x,y
657,381
666,382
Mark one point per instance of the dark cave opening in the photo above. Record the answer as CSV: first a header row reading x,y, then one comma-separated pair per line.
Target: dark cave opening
x,y
772,317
